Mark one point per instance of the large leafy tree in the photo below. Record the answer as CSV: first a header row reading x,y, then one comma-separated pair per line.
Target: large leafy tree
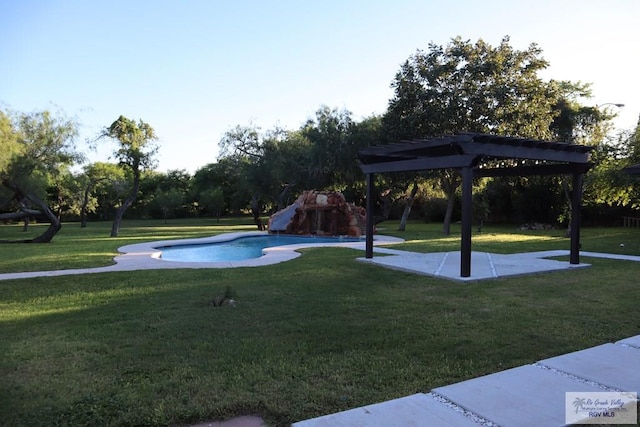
x,y
273,166
97,188
155,185
471,87
268,165
168,193
575,123
211,201
607,183
35,149
212,176
244,146
363,133
136,153
332,150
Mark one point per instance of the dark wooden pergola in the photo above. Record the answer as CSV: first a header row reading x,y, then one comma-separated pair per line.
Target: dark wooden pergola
x,y
478,155
633,169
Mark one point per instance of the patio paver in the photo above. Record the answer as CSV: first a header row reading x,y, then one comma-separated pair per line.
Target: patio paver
x,y
416,410
633,341
519,397
611,365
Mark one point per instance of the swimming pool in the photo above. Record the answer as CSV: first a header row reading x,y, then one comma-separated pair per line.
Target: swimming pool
x,y
241,248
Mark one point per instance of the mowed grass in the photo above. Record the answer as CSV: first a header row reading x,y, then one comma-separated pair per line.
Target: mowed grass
x,y
312,336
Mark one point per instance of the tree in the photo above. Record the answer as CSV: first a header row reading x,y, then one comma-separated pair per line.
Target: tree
x,y
167,201
267,165
152,184
332,156
95,182
368,131
212,175
64,195
286,158
473,88
244,145
408,205
35,149
607,182
576,123
212,199
136,153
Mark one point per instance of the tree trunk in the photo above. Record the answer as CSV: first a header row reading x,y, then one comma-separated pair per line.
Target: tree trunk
x,y
26,221
407,207
385,207
83,209
255,211
565,187
51,231
449,182
115,227
85,201
446,225
283,195
44,210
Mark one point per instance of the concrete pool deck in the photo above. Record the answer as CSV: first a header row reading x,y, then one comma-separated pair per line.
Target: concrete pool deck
x,y
445,265
147,256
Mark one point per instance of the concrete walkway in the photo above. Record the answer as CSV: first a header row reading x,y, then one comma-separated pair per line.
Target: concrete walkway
x,y
530,395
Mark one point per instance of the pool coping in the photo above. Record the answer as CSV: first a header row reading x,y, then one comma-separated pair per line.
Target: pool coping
x,y
147,255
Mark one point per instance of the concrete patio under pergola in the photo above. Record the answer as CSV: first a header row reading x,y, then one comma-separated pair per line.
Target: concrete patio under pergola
x,y
478,155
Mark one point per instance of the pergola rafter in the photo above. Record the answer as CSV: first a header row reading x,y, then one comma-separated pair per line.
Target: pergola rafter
x,y
476,155
633,169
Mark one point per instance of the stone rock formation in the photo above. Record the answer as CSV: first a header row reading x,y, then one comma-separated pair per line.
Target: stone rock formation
x,y
321,213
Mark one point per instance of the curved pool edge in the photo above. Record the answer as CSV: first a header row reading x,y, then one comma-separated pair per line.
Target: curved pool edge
x,y
147,255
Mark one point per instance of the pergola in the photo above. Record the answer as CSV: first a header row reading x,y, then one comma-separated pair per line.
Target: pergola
x,y
478,155
633,169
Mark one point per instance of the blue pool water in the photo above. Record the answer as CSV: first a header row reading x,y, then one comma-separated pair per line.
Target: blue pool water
x,y
239,249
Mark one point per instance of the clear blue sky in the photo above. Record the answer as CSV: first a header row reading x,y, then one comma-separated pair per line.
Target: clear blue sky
x,y
193,69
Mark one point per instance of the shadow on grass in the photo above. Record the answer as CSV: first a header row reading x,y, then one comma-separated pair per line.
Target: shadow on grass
x,y
312,336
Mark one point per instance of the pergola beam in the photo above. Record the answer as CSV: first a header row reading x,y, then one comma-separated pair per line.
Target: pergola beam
x,y
422,163
633,169
539,170
524,152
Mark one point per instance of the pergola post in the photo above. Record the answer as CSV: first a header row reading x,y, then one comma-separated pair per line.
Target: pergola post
x,y
467,219
576,208
369,226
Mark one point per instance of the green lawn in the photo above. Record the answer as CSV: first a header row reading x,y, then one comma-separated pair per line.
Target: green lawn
x,y
312,336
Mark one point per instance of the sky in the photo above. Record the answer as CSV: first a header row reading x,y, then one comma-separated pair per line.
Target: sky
x,y
194,69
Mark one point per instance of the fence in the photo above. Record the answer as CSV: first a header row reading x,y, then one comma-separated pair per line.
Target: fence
x,y
629,221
